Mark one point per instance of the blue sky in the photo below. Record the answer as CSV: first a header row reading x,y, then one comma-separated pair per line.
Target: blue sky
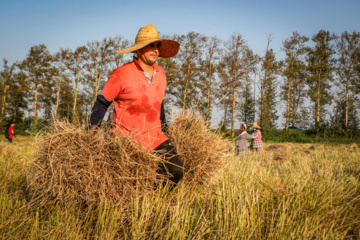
x,y
69,24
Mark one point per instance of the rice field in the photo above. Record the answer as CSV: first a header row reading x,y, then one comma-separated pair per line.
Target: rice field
x,y
289,191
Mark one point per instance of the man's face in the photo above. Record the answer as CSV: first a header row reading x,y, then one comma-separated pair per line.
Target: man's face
x,y
149,54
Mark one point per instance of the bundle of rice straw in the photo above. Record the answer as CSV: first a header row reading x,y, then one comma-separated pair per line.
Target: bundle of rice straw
x,y
92,167
96,167
279,151
201,150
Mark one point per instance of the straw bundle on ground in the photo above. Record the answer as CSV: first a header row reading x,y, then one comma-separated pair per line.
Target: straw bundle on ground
x,y
279,151
97,167
201,150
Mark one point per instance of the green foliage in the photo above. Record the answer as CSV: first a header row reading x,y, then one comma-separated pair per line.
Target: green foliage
x,y
321,135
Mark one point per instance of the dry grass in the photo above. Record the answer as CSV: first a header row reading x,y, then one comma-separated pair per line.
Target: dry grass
x,y
305,196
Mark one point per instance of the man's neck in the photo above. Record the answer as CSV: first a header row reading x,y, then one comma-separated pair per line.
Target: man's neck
x,y
145,67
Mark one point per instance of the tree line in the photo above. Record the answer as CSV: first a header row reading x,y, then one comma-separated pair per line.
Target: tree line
x,y
317,81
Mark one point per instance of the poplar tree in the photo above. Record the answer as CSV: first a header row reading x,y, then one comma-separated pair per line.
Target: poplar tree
x,y
191,46
36,69
6,81
76,66
247,109
18,93
320,65
171,68
208,66
98,58
267,101
233,58
222,94
117,60
64,110
348,74
61,63
293,71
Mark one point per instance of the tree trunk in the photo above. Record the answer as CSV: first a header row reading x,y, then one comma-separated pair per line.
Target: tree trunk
x,y
58,96
35,106
3,101
15,111
233,114
186,85
225,113
288,105
318,103
262,96
209,92
75,96
97,86
347,104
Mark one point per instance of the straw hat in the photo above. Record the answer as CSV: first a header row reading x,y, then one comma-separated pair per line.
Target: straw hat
x,y
148,35
255,125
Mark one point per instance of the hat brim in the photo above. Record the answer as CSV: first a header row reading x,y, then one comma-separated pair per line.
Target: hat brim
x,y
168,48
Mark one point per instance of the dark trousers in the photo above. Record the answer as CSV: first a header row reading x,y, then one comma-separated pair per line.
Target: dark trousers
x,y
10,140
174,165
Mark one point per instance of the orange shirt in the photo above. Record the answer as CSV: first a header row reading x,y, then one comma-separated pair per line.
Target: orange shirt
x,y
137,103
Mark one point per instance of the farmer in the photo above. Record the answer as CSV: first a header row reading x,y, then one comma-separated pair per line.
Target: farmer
x,y
257,144
241,145
138,89
11,132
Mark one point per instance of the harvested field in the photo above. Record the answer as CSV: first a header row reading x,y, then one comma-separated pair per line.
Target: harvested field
x,y
305,196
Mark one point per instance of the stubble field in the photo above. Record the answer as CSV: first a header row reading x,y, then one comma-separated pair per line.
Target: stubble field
x,y
289,191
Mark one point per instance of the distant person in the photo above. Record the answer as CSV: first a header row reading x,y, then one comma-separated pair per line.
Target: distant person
x,y
241,145
11,132
257,144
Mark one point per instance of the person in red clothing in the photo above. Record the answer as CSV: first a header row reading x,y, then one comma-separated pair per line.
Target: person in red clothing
x,y
137,90
11,132
257,144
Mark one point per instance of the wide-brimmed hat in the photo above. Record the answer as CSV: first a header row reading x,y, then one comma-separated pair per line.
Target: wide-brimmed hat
x,y
255,125
148,35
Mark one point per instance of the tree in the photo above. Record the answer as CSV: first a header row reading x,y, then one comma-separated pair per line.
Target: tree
x,y
98,58
60,63
348,75
36,68
18,92
270,68
247,110
116,43
208,66
293,72
222,93
75,65
171,68
233,59
190,52
6,82
320,65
